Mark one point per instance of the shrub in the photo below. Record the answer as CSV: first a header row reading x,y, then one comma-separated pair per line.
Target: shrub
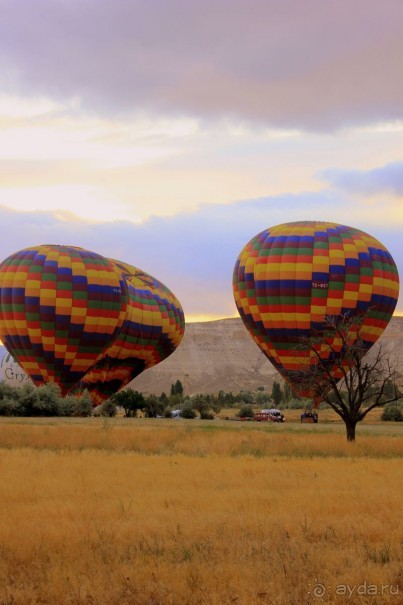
x,y
48,399
246,411
206,415
295,404
76,405
175,401
45,400
67,406
188,410
26,401
153,407
7,400
108,408
7,407
392,413
84,405
262,398
6,390
246,397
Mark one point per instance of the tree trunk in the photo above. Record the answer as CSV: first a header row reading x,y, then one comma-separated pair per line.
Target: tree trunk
x,y
350,430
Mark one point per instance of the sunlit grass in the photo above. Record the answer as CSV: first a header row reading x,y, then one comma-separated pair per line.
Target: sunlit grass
x,y
200,438
171,512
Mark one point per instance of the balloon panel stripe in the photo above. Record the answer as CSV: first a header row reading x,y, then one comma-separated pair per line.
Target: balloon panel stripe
x,y
152,329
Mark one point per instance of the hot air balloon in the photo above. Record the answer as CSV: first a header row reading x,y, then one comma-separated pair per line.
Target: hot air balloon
x,y
152,329
292,281
60,309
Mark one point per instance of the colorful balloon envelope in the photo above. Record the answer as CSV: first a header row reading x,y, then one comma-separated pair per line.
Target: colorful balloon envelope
x,y
153,328
60,309
293,280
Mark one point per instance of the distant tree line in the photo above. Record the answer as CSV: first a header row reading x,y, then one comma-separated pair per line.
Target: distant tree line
x,y
47,400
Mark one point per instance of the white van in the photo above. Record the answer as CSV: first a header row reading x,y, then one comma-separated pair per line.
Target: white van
x,y
275,415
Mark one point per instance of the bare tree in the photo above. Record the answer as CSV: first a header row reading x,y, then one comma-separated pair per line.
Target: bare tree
x,y
351,380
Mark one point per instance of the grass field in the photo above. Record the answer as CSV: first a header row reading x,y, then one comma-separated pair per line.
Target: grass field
x,y
166,512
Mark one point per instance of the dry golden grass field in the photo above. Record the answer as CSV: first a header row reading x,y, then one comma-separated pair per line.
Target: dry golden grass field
x,y
167,512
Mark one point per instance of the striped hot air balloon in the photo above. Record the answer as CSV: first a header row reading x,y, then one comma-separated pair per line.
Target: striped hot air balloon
x,y
153,328
292,280
60,308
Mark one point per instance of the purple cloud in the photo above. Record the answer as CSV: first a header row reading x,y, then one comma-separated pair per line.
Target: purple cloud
x,y
193,253
388,178
309,65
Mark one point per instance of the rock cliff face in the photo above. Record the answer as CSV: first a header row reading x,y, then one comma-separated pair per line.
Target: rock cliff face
x,y
214,356
220,355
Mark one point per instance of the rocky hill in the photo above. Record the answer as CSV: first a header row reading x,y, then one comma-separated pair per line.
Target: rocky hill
x,y
220,355
213,356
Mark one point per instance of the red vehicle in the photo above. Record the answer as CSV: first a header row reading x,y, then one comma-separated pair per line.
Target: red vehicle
x,y
269,416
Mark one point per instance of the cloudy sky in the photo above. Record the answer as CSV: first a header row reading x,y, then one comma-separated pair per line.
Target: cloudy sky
x,y
167,133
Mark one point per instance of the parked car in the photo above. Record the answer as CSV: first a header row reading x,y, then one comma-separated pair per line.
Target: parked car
x,y
309,416
272,415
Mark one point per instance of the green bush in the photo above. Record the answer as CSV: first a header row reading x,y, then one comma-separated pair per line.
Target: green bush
x,y
262,398
295,404
108,408
67,406
188,410
47,402
7,400
392,412
206,415
7,407
26,401
246,411
246,397
153,407
84,405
